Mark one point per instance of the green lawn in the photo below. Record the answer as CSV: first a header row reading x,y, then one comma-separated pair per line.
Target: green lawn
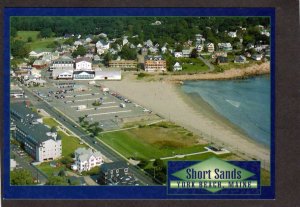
x,y
69,144
36,43
192,65
48,170
140,142
50,122
24,35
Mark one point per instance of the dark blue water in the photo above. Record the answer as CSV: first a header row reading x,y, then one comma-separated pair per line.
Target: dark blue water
x,y
246,103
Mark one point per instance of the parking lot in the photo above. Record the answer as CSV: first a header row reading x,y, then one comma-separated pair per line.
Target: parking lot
x,y
95,102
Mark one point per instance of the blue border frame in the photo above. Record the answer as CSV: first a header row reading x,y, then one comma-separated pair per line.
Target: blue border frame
x,y
126,192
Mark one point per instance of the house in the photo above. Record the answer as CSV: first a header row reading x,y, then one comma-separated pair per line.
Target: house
x,y
164,49
225,46
35,73
257,57
232,34
86,159
100,51
63,62
210,47
89,55
186,53
83,63
199,39
39,53
102,45
177,67
153,49
77,43
125,41
221,60
148,43
155,64
178,54
139,46
265,32
123,64
108,74
62,74
88,39
37,139
39,64
97,58
116,173
240,59
199,48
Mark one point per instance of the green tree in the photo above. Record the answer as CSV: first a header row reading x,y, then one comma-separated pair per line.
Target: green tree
x,y
19,49
53,129
45,33
80,51
194,53
21,177
56,180
66,160
127,53
29,39
13,32
81,119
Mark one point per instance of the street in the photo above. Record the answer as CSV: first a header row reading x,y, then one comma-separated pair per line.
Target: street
x,y
141,176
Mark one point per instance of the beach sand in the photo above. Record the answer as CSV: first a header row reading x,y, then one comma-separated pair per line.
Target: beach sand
x,y
166,99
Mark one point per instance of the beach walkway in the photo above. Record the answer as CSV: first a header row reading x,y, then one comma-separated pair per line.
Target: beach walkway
x,y
223,151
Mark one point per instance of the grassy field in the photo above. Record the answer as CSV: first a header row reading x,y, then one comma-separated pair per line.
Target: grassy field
x,y
36,43
48,170
24,35
50,122
69,144
169,140
192,65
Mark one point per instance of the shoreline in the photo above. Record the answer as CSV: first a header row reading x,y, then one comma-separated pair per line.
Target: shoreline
x,y
209,111
234,73
166,99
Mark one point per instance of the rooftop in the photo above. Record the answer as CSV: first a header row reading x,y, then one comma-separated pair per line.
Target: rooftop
x,y
25,120
113,165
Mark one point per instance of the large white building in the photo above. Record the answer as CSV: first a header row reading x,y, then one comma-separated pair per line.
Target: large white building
x,y
37,139
86,159
83,63
63,62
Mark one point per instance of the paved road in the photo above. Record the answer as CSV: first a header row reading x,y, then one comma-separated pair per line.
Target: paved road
x,y
146,180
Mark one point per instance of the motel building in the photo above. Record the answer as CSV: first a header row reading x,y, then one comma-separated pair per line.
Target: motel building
x,y
63,62
123,64
38,141
155,64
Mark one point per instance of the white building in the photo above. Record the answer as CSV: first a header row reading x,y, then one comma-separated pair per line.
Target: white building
x,y
84,63
86,159
177,54
63,62
39,142
108,75
232,34
39,53
177,67
62,74
102,45
257,57
210,47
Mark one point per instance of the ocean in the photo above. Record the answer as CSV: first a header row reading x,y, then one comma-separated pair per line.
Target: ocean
x,y
245,103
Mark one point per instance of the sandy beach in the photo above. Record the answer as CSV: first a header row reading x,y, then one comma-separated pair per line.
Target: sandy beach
x,y
166,99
